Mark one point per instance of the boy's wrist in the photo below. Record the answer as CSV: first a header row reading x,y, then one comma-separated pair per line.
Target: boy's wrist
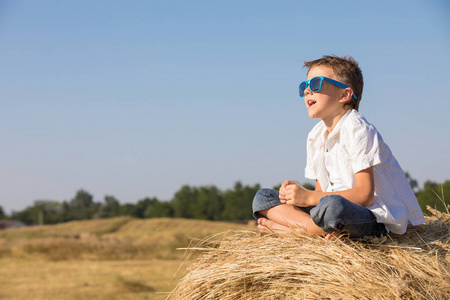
x,y
312,198
308,198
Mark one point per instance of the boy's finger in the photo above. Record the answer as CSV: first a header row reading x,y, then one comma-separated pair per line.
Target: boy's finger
x,y
291,187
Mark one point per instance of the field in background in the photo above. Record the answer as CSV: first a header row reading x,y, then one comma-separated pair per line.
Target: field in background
x,y
119,258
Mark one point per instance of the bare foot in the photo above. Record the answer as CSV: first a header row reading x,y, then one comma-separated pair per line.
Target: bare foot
x,y
269,226
329,236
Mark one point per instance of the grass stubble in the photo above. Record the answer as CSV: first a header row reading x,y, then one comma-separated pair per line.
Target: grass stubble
x,y
250,265
118,258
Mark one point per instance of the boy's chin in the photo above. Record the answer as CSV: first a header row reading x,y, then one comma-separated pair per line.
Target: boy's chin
x,y
312,115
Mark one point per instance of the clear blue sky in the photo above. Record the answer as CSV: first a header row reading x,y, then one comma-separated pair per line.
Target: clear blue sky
x,y
136,98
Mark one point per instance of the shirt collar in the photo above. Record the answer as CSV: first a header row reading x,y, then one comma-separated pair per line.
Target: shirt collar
x,y
333,137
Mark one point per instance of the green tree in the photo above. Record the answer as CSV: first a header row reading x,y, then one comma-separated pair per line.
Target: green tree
x,y
159,210
208,204
215,203
142,205
2,214
434,195
138,210
238,202
110,209
41,212
412,182
198,203
28,216
47,211
127,209
430,185
184,201
82,206
66,214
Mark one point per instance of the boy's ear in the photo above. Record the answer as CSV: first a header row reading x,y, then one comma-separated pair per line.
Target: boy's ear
x,y
347,95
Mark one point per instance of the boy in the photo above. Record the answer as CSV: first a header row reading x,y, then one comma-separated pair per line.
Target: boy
x,y
361,189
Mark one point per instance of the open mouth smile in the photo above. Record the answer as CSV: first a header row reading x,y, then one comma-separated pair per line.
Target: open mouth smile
x,y
310,103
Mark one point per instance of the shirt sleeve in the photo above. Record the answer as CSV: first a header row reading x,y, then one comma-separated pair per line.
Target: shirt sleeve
x,y
364,148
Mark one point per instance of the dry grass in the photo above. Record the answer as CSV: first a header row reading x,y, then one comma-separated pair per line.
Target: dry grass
x,y
251,265
72,280
68,230
120,258
109,239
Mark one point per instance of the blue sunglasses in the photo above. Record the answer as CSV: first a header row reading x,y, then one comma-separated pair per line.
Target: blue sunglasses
x,y
315,85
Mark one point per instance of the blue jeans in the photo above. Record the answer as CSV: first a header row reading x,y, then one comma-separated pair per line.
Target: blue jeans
x,y
333,213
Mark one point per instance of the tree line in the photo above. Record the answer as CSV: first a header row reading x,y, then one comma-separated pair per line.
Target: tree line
x,y
205,202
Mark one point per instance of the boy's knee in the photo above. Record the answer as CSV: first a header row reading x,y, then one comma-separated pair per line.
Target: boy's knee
x,y
329,210
266,193
263,192
264,199
261,196
334,204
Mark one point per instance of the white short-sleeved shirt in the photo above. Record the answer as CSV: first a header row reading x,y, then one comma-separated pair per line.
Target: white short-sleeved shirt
x,y
355,145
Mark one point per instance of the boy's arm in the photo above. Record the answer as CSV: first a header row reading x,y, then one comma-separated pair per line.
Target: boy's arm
x,y
361,194
318,187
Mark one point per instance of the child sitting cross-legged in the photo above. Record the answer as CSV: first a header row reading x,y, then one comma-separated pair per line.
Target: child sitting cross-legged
x,y
360,189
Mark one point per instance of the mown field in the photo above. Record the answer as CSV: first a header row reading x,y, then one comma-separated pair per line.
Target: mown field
x,y
119,258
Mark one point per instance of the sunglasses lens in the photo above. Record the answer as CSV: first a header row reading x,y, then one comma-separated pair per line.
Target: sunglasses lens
x,y
302,89
315,84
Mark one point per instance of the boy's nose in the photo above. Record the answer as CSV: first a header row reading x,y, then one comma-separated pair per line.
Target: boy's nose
x,y
307,90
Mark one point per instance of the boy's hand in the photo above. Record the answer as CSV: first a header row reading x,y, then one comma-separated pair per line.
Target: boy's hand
x,y
294,194
283,192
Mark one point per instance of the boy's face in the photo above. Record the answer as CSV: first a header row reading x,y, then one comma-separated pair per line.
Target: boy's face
x,y
324,104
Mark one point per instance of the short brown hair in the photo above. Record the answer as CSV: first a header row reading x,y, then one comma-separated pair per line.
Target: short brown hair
x,y
347,71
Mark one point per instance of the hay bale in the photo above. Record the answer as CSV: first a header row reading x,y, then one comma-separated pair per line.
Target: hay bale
x,y
251,265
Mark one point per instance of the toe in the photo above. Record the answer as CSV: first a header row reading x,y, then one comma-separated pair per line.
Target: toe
x,y
262,221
